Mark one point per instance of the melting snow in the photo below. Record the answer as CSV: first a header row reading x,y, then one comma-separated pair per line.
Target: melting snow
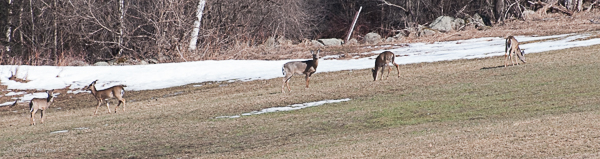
x,y
157,76
286,108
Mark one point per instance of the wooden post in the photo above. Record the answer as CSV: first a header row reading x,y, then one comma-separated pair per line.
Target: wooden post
x,y
353,24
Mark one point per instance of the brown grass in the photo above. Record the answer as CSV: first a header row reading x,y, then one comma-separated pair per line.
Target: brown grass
x,y
464,108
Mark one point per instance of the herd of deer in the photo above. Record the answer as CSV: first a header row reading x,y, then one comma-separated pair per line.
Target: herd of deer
x,y
289,69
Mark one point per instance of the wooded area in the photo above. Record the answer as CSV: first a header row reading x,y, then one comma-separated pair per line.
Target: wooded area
x,y
55,32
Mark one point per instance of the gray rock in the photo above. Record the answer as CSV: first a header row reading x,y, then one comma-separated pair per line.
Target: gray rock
x,y
390,39
102,63
477,20
142,62
270,42
372,38
332,42
425,31
530,15
152,61
316,43
352,42
442,23
78,63
458,23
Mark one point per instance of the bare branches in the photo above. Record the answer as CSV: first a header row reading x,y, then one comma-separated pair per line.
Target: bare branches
x,y
393,5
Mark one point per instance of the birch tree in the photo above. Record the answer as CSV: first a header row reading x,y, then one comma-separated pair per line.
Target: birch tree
x,y
194,38
9,25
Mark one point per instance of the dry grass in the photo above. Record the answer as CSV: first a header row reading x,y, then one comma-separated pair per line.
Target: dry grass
x,y
465,108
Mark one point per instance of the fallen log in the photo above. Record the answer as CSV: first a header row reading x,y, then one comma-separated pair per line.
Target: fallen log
x,y
547,6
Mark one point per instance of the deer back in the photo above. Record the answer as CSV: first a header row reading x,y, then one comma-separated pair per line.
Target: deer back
x,y
301,67
384,59
512,45
41,103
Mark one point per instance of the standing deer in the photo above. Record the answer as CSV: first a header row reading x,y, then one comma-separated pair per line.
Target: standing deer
x,y
40,104
106,94
512,48
307,68
383,60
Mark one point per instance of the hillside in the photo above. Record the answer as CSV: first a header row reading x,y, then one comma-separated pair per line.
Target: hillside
x,y
462,108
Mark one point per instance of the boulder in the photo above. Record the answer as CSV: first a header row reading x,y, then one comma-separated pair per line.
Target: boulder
x,y
270,42
530,15
78,63
102,63
425,31
352,42
372,38
332,42
458,23
316,43
443,24
390,39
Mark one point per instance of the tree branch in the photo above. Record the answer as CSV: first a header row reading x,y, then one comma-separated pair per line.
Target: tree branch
x,y
394,5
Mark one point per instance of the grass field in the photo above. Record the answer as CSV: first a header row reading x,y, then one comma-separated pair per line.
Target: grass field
x,y
548,107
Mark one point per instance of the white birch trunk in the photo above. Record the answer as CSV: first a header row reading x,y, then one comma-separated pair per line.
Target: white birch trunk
x,y
8,26
32,24
196,30
121,26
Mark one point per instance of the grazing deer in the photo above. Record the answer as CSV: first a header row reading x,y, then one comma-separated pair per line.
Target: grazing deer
x,y
512,48
106,94
40,104
383,60
307,67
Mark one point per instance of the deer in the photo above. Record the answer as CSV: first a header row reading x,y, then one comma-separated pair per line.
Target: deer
x,y
40,104
511,49
307,68
106,94
383,60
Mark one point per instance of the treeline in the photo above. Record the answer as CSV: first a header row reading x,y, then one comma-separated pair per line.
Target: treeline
x,y
56,32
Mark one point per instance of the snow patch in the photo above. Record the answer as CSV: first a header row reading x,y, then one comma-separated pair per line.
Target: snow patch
x,y
286,108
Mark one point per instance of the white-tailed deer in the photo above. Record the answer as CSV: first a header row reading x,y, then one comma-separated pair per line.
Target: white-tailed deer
x,y
40,104
383,60
307,68
512,48
106,94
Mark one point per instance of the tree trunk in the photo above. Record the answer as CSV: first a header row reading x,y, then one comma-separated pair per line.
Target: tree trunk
x,y
579,5
196,30
9,25
569,4
121,26
32,25
499,10
56,60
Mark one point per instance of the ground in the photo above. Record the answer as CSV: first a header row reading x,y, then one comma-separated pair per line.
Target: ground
x,y
464,108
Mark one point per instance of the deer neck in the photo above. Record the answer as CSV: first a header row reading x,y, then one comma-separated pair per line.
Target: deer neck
x,y
93,90
315,62
50,98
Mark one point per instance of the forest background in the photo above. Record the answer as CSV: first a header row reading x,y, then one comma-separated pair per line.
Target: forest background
x,y
58,32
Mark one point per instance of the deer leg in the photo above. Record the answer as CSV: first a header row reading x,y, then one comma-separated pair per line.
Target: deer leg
x,y
32,117
98,105
307,79
108,106
285,81
516,58
120,101
398,69
389,70
123,100
42,116
505,59
382,73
